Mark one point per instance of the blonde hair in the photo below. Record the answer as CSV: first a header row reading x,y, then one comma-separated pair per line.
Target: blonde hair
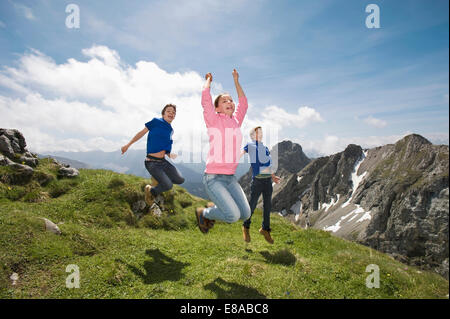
x,y
253,132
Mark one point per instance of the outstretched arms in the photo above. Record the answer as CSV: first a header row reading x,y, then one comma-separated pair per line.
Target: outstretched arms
x,y
136,138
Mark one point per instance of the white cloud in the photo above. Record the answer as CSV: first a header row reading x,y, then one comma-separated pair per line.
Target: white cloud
x,y
375,122
274,119
25,11
102,103
97,104
304,116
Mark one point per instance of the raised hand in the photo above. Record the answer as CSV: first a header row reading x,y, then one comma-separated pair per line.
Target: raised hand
x,y
208,78
235,74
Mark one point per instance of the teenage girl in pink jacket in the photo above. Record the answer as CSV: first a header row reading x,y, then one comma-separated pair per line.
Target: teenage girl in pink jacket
x,y
225,138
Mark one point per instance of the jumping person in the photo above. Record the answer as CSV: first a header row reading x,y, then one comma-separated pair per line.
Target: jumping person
x,y
225,139
159,144
263,176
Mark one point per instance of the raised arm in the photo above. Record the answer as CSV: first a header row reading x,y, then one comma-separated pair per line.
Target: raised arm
x,y
208,107
239,90
136,138
242,105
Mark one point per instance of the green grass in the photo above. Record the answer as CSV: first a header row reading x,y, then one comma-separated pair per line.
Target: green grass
x,y
124,255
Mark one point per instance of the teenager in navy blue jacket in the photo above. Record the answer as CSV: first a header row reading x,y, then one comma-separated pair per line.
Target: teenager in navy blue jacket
x,y
159,144
263,176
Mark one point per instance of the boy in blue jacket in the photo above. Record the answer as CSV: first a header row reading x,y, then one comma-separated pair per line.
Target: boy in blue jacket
x,y
263,177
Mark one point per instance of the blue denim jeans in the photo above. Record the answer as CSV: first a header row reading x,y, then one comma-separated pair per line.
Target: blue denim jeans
x,y
228,196
165,173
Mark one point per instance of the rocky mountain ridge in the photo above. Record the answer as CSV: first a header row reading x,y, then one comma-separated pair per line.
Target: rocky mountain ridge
x,y
394,198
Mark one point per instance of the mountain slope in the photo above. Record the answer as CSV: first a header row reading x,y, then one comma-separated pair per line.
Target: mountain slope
x,y
55,220
392,198
132,162
121,253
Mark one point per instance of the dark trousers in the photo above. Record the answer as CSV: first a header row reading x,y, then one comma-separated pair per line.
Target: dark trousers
x,y
165,173
261,186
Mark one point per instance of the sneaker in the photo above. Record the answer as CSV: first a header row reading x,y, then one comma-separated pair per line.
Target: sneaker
x,y
266,235
149,199
246,234
201,221
209,222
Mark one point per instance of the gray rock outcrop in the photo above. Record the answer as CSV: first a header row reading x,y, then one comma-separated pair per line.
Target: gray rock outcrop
x,y
14,154
393,198
51,226
68,172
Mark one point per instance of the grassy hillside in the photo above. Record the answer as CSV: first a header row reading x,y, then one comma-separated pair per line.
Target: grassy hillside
x,y
124,255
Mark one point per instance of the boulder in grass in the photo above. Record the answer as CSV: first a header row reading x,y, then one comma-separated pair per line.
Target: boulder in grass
x,y
17,141
21,174
68,172
138,207
51,226
29,160
5,161
5,146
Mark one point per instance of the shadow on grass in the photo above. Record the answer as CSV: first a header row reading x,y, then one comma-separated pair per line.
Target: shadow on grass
x,y
160,268
282,257
229,290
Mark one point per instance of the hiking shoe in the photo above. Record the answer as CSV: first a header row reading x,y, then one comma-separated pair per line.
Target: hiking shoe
x,y
209,222
246,234
201,221
266,235
149,199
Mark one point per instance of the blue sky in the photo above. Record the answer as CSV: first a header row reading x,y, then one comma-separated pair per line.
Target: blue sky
x,y
311,67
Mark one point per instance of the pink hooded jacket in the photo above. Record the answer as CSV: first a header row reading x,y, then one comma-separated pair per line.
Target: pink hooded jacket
x,y
225,135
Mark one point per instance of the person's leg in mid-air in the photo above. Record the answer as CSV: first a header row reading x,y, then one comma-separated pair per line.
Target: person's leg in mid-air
x,y
228,197
165,175
255,192
267,190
